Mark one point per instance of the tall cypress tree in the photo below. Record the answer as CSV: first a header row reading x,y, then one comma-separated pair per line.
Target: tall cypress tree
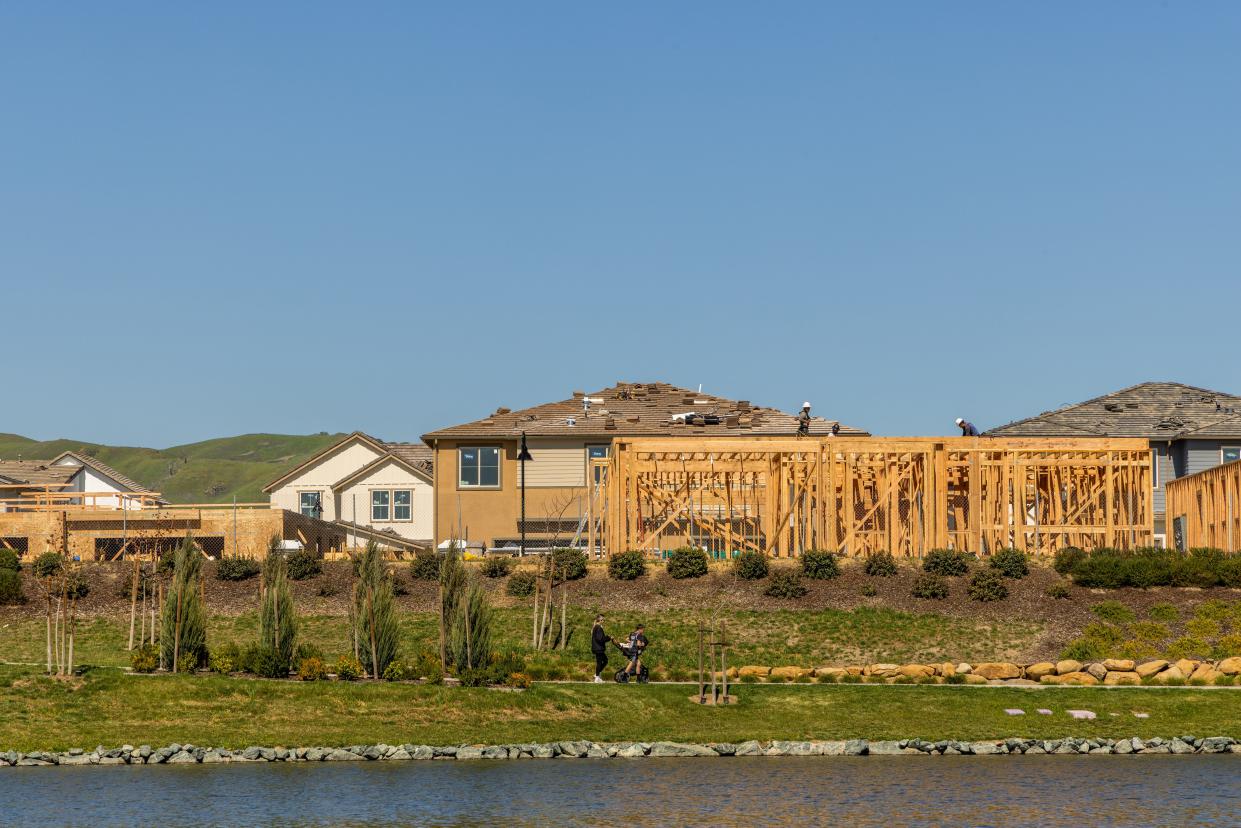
x,y
278,617
452,593
183,625
471,628
374,613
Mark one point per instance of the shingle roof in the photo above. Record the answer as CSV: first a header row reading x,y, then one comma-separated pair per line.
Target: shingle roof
x,y
1154,410
638,409
104,469
415,454
418,455
35,472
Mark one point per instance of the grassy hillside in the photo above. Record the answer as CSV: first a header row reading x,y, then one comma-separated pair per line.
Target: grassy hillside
x,y
213,471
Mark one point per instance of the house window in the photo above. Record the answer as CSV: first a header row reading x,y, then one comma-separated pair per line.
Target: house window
x,y
310,504
479,467
400,504
596,453
1227,454
379,504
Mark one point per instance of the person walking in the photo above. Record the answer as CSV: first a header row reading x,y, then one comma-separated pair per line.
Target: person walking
x,y
599,646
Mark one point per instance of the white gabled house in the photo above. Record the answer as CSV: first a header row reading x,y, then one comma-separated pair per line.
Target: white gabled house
x,y
376,490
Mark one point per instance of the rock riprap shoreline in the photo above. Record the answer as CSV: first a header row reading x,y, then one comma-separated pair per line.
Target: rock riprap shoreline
x,y
191,754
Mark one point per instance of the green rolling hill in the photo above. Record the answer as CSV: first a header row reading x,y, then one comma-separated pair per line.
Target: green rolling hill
x,y
213,471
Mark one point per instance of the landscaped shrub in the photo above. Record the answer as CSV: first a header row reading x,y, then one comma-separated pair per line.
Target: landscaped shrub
x,y
145,659
9,560
76,586
929,586
521,584
1228,646
11,587
348,668
627,566
1114,612
1164,612
785,583
49,565
687,562
312,669
1085,649
1150,567
987,585
183,623
946,562
270,662
225,659
426,565
880,565
819,564
374,613
1188,647
1150,631
125,586
869,590
496,566
1106,633
303,564
1011,563
1059,590
277,617
1204,628
236,569
1067,558
570,564
750,565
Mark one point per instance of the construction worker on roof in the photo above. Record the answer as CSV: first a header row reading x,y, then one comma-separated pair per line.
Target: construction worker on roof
x,y
967,428
803,420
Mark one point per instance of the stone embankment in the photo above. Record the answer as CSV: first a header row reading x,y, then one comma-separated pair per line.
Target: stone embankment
x,y
191,754
1112,671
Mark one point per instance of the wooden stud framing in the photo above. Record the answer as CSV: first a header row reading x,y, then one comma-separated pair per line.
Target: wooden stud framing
x,y
1207,508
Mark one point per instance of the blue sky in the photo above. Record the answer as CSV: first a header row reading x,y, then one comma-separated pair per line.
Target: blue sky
x,y
396,217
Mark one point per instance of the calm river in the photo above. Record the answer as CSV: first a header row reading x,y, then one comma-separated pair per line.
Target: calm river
x,y
888,791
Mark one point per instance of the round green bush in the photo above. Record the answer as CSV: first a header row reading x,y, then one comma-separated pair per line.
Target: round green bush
x,y
785,583
750,565
303,564
348,668
869,590
1059,590
1011,563
269,663
312,669
987,585
521,584
425,566
48,565
819,564
687,562
1067,558
880,565
627,566
570,564
145,659
946,562
225,659
9,560
11,587
929,586
496,566
236,569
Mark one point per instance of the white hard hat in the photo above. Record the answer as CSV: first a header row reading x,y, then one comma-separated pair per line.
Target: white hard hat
x,y
960,420
805,405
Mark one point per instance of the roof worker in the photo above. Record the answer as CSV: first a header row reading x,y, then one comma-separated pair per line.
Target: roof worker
x,y
835,429
967,428
803,420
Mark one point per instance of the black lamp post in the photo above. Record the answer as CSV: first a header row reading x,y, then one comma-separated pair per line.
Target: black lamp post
x,y
523,454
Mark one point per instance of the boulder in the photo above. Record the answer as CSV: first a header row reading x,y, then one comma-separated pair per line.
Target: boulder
x,y
1097,670
854,671
916,671
963,667
680,749
634,751
973,678
946,669
1039,669
884,670
1079,677
829,672
788,673
1181,747
1067,666
997,670
750,748
1205,672
1122,677
342,755
781,747
1173,673
468,752
1230,666
887,748
1149,668
985,749
856,747
1187,666
757,671
181,757
1118,665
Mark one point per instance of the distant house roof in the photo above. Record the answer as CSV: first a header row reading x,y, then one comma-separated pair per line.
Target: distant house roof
x,y
35,473
102,468
414,456
638,409
1154,410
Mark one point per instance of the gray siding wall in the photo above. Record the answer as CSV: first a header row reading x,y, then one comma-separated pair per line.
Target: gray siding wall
x,y
1201,455
1167,471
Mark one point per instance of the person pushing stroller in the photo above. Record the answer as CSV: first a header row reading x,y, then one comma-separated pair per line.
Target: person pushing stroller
x,y
633,650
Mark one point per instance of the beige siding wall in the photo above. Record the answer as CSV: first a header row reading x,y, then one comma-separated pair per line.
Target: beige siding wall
x,y
389,477
556,463
320,477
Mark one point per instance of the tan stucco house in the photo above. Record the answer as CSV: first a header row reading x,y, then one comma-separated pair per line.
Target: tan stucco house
x,y
375,490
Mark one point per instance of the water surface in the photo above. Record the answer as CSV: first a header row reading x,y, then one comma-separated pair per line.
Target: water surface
x,y
744,791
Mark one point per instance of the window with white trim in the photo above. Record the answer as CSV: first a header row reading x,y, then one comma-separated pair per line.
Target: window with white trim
x,y
599,452
401,500
310,504
1228,454
478,467
380,500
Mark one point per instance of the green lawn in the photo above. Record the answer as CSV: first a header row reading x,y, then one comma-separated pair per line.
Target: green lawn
x,y
805,638
110,707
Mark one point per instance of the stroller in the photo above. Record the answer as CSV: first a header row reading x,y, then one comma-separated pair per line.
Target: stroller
x,y
643,676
